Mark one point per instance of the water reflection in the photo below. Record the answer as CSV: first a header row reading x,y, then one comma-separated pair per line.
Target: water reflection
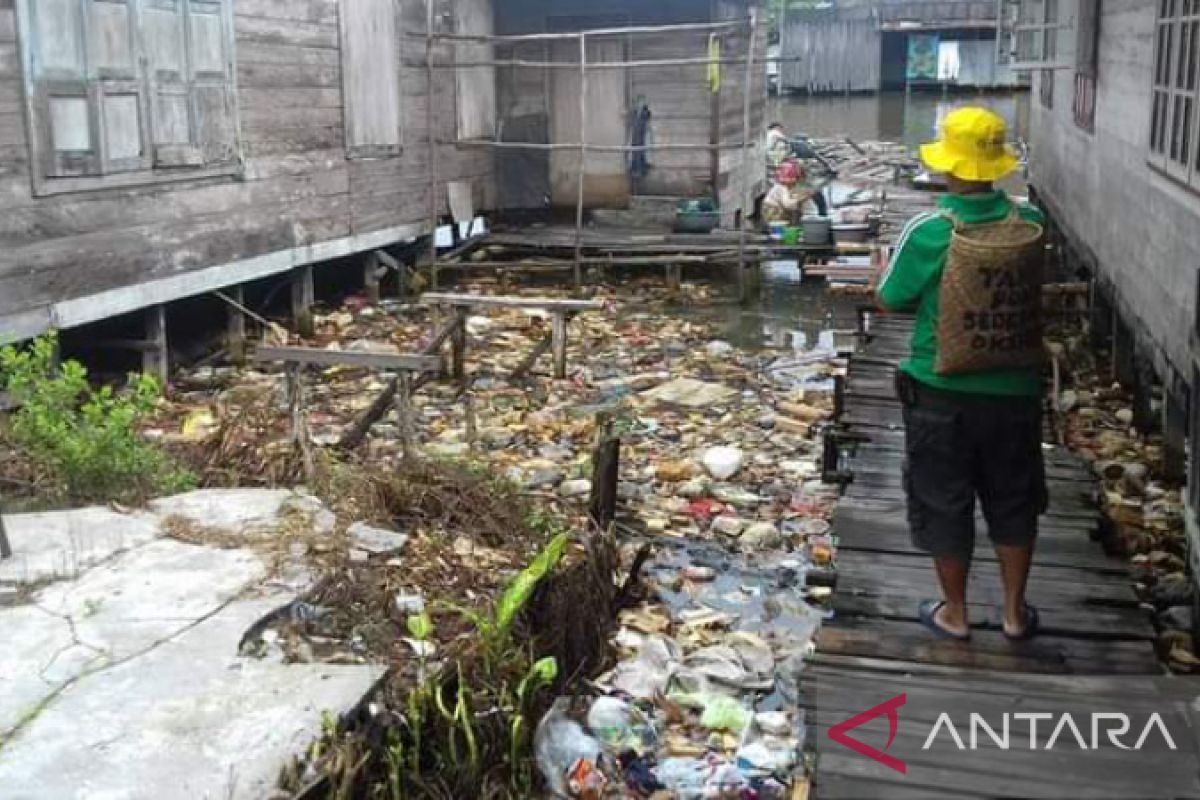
x,y
891,116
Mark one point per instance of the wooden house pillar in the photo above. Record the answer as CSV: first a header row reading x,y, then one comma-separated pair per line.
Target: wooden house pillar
x,y
302,300
155,358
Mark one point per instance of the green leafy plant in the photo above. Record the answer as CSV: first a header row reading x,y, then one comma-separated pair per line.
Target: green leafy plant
x,y
458,724
82,438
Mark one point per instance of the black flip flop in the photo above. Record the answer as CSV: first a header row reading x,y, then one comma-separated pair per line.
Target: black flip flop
x,y
927,613
1029,631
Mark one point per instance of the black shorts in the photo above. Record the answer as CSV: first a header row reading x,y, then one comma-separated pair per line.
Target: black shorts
x,y
959,446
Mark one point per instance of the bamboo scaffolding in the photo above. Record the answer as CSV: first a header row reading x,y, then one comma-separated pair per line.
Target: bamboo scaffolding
x,y
583,90
595,148
582,146
430,116
682,27
748,81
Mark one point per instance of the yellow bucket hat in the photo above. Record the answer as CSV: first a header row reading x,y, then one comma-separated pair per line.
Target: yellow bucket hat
x,y
971,146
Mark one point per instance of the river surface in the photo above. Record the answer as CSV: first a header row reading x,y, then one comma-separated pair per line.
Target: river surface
x,y
890,116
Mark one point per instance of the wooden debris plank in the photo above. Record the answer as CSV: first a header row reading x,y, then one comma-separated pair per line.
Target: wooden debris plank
x,y
508,301
348,358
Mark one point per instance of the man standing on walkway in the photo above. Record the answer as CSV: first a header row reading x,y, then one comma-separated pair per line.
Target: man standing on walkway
x,y
967,434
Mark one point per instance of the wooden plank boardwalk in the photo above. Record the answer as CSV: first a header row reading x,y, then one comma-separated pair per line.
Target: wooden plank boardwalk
x,y
1090,619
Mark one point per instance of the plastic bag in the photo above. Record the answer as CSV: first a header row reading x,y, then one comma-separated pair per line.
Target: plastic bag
x,y
559,744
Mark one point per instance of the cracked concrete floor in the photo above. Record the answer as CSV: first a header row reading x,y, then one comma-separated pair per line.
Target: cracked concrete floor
x,y
121,676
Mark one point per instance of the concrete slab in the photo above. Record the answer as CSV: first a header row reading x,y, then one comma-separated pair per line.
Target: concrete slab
x,y
61,544
230,509
189,719
122,678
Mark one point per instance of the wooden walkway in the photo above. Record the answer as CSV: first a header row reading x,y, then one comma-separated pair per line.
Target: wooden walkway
x,y
1091,624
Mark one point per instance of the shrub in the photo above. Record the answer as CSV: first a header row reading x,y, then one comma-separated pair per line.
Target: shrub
x,y
84,439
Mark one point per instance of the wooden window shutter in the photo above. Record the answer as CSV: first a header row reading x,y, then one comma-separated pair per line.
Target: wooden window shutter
x,y
163,42
67,119
370,76
213,131
190,71
119,92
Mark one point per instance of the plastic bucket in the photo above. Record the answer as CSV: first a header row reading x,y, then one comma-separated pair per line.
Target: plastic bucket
x,y
776,230
791,235
816,230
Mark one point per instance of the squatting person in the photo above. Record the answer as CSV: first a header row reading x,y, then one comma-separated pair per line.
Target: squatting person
x,y
972,433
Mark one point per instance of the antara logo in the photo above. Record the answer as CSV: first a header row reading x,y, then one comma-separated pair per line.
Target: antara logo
x,y
1111,726
889,707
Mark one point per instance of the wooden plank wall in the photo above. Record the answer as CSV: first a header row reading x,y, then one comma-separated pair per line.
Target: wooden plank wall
x,y
298,187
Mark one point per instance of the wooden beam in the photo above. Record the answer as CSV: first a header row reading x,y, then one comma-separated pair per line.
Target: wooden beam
x,y
509,301
155,357
302,300
404,415
747,83
408,362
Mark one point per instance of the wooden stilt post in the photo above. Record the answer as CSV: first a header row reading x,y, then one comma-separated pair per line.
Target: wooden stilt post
x,y
371,277
747,83
5,546
558,343
458,346
1174,425
155,358
295,397
583,91
235,326
404,417
674,277
606,463
472,424
303,295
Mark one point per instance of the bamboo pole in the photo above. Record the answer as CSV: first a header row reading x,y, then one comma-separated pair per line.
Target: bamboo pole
x,y
583,87
595,148
430,115
633,30
747,82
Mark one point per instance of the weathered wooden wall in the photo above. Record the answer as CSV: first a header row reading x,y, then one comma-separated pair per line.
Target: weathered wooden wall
x,y
73,258
829,55
678,96
1136,227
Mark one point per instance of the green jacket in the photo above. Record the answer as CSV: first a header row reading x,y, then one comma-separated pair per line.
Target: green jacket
x,y
913,280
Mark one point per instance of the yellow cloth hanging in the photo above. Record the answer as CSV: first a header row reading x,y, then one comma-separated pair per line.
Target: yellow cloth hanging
x,y
714,63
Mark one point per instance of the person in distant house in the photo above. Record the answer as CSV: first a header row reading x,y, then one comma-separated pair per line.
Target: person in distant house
x,y
778,147
973,434
781,148
788,200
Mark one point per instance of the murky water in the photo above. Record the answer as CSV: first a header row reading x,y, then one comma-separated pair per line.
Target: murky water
x,y
891,116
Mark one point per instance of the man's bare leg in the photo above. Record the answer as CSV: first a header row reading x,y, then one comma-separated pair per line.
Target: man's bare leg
x,y
952,575
1014,574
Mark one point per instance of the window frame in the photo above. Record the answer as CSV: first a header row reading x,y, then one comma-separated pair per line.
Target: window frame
x,y
129,173
1172,81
